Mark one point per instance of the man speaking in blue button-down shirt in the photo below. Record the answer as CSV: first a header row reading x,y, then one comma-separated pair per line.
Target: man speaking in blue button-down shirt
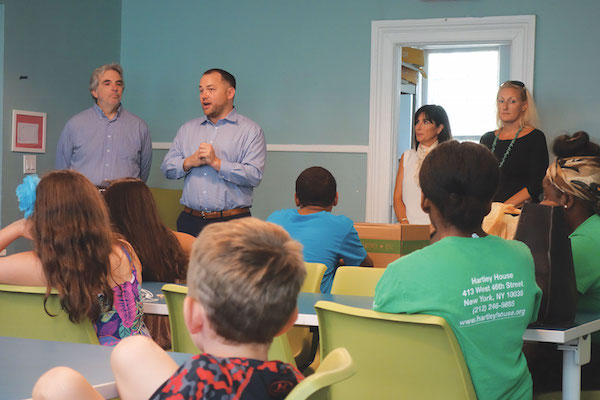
x,y
221,156
106,142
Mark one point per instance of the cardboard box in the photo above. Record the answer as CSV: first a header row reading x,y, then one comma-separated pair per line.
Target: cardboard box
x,y
388,242
413,56
410,75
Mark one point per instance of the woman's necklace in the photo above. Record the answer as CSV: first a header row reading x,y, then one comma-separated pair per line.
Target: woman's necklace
x,y
510,145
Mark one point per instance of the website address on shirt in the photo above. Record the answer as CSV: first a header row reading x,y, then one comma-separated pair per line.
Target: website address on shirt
x,y
481,319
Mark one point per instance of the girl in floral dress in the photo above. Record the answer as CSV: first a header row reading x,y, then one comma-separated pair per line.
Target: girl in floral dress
x,y
97,273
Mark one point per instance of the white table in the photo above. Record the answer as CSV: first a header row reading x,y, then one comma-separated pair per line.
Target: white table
x,y
25,360
574,342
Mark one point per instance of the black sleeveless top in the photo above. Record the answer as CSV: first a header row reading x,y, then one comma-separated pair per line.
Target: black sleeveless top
x,y
525,165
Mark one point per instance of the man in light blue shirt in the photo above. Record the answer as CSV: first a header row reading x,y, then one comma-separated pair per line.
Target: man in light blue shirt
x,y
106,142
221,156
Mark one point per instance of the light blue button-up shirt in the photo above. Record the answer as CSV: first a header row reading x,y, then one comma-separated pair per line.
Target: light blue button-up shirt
x,y
240,144
103,149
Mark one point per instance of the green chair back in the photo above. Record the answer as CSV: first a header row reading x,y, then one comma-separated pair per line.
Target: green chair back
x,y
336,367
356,281
300,338
314,276
397,355
23,316
182,342
167,203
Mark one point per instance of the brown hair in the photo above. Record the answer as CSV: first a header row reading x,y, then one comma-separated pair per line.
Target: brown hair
x,y
247,274
133,214
73,240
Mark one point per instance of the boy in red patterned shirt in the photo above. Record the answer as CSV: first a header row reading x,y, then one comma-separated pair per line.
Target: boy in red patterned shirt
x,y
244,277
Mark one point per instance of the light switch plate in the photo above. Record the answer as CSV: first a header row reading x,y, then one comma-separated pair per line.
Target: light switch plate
x,y
29,162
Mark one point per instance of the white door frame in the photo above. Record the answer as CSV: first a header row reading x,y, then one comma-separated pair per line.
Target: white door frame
x,y
387,37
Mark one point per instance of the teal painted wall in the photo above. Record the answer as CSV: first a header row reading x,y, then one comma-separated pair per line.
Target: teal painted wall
x,y
56,44
303,72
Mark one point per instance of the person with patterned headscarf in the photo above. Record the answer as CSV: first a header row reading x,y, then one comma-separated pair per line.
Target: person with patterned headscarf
x,y
573,181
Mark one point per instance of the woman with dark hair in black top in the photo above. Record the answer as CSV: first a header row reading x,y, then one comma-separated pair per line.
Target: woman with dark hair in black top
x,y
518,145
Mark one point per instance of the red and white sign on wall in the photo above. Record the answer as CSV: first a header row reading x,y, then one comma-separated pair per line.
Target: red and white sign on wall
x,y
29,132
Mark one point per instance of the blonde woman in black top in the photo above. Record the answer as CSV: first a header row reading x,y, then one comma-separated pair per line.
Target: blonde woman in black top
x,y
520,147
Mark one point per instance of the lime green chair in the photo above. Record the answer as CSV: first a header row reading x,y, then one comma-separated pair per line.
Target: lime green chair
x,y
314,276
167,204
22,314
336,367
300,338
397,355
356,281
182,342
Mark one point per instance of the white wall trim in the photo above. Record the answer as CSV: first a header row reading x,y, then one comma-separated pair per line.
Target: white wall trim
x,y
318,148
161,145
295,148
386,37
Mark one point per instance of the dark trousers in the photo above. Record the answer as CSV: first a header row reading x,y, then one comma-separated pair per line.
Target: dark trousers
x,y
193,224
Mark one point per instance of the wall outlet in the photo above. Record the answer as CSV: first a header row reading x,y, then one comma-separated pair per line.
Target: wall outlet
x,y
29,162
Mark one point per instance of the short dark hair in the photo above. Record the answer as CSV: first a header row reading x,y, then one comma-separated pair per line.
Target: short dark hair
x,y
578,144
224,74
438,116
316,186
460,179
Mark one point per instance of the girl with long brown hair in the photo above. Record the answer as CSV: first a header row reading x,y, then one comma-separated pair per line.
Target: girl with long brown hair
x,y
133,214
96,273
162,252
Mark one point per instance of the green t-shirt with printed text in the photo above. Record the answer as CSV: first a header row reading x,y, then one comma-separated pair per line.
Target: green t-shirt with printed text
x,y
485,289
585,244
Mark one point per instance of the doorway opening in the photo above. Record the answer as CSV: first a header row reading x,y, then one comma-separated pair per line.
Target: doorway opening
x,y
516,33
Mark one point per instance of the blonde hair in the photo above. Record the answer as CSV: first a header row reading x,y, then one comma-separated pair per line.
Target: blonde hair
x,y
247,274
530,116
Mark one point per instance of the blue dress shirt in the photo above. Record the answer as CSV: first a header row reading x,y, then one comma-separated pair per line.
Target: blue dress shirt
x,y
240,144
103,149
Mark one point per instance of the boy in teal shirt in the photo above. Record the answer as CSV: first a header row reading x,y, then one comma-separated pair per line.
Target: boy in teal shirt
x,y
326,238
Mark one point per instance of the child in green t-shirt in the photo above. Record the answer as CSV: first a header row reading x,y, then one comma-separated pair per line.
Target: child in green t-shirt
x,y
483,286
